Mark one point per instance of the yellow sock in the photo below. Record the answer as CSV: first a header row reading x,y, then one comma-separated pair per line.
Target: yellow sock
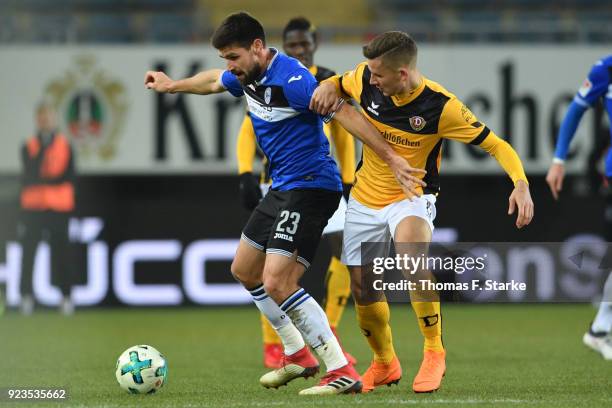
x,y
338,291
430,322
374,323
269,334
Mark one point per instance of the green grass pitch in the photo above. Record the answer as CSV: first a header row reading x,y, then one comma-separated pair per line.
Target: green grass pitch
x,y
498,355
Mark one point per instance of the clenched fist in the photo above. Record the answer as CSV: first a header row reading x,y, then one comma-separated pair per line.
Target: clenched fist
x,y
158,81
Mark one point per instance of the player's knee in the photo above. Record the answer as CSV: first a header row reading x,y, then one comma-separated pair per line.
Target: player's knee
x,y
413,229
274,290
241,274
276,286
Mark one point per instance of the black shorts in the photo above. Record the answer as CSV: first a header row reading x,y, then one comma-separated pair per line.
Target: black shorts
x,y
286,221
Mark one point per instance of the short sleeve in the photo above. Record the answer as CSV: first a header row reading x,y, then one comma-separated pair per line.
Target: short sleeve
x,y
299,88
231,83
594,86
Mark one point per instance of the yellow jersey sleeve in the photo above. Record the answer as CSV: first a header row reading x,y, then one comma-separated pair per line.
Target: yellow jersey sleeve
x,y
246,146
349,83
457,122
345,151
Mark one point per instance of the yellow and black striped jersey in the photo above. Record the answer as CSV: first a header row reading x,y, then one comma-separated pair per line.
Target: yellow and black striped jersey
x,y
321,73
415,125
342,141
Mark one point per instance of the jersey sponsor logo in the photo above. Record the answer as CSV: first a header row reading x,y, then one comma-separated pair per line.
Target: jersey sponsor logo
x,y
269,113
417,123
403,141
294,78
268,95
585,88
372,108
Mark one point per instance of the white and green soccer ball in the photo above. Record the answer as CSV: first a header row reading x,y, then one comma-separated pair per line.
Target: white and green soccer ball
x,y
141,370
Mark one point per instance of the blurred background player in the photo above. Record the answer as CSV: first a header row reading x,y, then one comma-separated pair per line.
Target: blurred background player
x,y
47,202
300,41
420,114
596,86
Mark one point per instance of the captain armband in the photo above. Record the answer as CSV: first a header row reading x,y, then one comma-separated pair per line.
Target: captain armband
x,y
327,118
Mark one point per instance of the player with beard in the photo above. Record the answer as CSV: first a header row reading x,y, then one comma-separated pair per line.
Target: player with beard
x,y
300,41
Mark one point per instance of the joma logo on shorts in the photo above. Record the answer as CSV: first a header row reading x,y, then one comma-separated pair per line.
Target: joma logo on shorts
x,y
283,236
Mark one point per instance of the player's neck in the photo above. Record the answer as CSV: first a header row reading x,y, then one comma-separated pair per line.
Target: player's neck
x,y
268,55
414,81
413,84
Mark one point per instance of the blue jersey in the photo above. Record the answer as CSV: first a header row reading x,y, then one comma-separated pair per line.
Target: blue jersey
x,y
597,85
288,133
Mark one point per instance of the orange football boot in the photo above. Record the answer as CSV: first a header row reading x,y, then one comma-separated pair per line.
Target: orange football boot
x,y
429,377
381,374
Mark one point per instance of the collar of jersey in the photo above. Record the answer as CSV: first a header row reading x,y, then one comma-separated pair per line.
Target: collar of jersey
x,y
264,76
403,99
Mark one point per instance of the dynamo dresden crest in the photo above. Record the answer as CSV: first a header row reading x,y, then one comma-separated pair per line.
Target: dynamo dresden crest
x,y
417,123
91,107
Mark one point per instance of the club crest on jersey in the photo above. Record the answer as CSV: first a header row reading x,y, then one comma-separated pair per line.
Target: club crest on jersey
x,y
417,123
268,95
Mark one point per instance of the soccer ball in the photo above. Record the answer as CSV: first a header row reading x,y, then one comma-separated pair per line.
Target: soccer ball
x,y
141,370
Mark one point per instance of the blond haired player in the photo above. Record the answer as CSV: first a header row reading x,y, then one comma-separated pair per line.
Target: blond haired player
x,y
415,115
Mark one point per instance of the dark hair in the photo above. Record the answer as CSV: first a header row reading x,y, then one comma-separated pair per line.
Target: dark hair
x,y
395,47
301,24
238,29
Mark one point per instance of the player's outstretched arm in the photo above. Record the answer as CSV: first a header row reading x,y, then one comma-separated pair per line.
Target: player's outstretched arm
x,y
357,125
203,83
594,87
556,172
458,123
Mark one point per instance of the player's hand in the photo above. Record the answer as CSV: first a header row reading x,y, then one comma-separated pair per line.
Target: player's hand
x,y
324,99
554,178
408,177
521,199
158,81
250,193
